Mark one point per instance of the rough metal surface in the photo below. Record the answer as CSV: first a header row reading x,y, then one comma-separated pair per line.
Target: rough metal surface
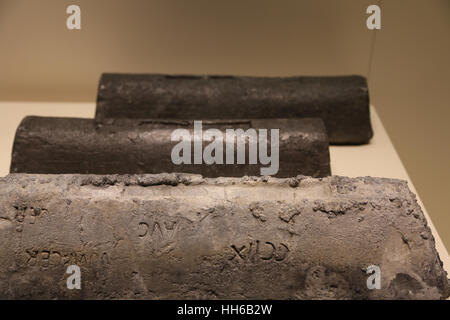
x,y
342,102
69,145
180,236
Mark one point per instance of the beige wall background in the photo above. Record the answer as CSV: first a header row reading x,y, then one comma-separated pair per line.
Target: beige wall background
x,y
407,61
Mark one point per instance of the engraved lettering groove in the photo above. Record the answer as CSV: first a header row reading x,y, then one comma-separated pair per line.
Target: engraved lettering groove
x,y
164,231
260,250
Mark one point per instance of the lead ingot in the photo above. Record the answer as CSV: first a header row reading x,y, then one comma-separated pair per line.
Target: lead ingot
x,y
71,145
342,102
176,236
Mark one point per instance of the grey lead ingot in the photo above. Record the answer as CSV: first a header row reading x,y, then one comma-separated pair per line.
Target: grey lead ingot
x,y
176,236
341,102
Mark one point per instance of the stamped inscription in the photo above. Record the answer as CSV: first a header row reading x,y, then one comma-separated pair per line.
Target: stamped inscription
x,y
26,214
52,257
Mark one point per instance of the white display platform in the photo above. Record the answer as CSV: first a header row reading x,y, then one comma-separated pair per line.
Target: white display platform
x,y
378,159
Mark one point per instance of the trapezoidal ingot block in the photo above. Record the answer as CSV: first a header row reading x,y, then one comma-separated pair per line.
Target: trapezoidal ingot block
x,y
174,236
72,145
342,101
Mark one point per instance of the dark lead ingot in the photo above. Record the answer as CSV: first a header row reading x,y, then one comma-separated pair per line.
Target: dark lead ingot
x,y
184,237
342,102
68,145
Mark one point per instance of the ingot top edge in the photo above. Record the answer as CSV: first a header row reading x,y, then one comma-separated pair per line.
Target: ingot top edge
x,y
173,179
